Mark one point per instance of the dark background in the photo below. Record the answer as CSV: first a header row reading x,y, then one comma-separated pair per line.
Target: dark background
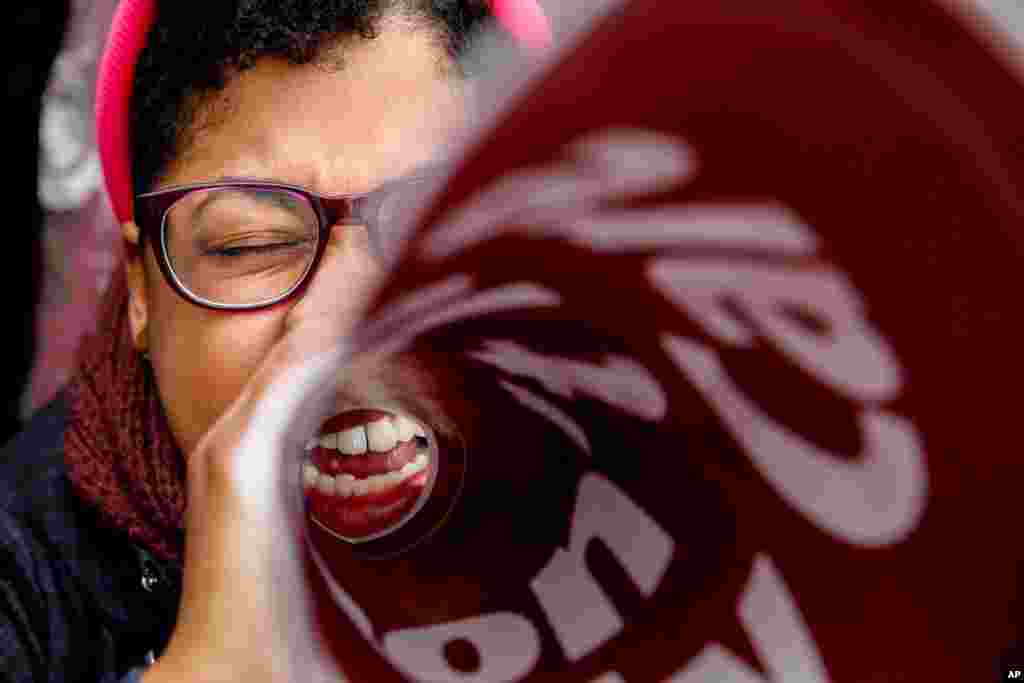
x,y
35,32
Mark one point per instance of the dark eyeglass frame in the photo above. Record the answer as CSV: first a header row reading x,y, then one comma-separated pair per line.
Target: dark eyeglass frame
x,y
151,209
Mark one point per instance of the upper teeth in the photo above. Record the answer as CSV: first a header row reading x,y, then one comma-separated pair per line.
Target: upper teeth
x,y
352,441
405,428
379,436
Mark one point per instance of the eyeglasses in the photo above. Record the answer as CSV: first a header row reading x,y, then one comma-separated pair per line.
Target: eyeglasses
x,y
243,245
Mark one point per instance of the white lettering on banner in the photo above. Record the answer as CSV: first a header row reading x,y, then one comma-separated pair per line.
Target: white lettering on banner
x,y
607,165
516,295
876,501
551,412
610,677
777,631
849,356
634,161
619,381
508,646
761,227
578,610
716,664
996,24
416,303
581,615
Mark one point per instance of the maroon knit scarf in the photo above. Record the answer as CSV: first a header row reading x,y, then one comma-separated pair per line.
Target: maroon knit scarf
x,y
120,454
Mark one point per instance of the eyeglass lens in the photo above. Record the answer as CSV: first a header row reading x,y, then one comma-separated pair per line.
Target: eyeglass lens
x,y
241,246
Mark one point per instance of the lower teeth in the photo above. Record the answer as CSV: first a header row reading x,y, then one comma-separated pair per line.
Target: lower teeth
x,y
348,486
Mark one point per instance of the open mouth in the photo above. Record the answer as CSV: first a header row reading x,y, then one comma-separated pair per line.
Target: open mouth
x,y
367,473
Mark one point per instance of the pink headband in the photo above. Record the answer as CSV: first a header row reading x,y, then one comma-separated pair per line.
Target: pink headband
x,y
524,19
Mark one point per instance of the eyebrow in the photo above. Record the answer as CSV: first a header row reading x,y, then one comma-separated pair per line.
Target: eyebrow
x,y
255,194
422,171
418,173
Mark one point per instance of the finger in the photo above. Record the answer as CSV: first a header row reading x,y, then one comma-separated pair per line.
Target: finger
x,y
288,397
300,376
290,408
246,516
252,456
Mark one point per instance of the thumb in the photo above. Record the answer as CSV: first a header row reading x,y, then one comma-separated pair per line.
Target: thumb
x,y
291,405
292,393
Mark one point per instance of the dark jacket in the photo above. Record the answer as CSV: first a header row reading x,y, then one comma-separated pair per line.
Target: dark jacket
x,y
78,601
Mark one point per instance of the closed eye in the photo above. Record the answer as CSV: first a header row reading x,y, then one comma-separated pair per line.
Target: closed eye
x,y
249,249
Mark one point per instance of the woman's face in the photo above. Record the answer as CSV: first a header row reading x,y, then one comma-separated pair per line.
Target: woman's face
x,y
387,111
338,127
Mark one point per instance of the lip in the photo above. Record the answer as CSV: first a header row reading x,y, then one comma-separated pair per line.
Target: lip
x,y
351,418
368,515
366,519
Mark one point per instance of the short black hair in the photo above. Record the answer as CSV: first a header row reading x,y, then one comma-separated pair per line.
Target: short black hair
x,y
193,49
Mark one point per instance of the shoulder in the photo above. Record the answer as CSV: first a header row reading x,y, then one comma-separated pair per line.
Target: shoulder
x,y
42,527
32,463
39,510
70,592
33,486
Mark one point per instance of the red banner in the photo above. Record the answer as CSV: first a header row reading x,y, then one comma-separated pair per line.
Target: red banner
x,y
733,295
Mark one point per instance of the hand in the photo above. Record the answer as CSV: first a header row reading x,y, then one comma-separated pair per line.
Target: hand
x,y
246,611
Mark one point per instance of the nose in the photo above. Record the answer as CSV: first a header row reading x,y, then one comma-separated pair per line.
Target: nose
x,y
354,246
363,212
343,284
354,258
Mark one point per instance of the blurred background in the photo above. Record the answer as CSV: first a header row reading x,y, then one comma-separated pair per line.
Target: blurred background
x,y
36,34
61,239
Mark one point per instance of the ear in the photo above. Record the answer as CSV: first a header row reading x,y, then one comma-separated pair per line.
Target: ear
x,y
138,303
